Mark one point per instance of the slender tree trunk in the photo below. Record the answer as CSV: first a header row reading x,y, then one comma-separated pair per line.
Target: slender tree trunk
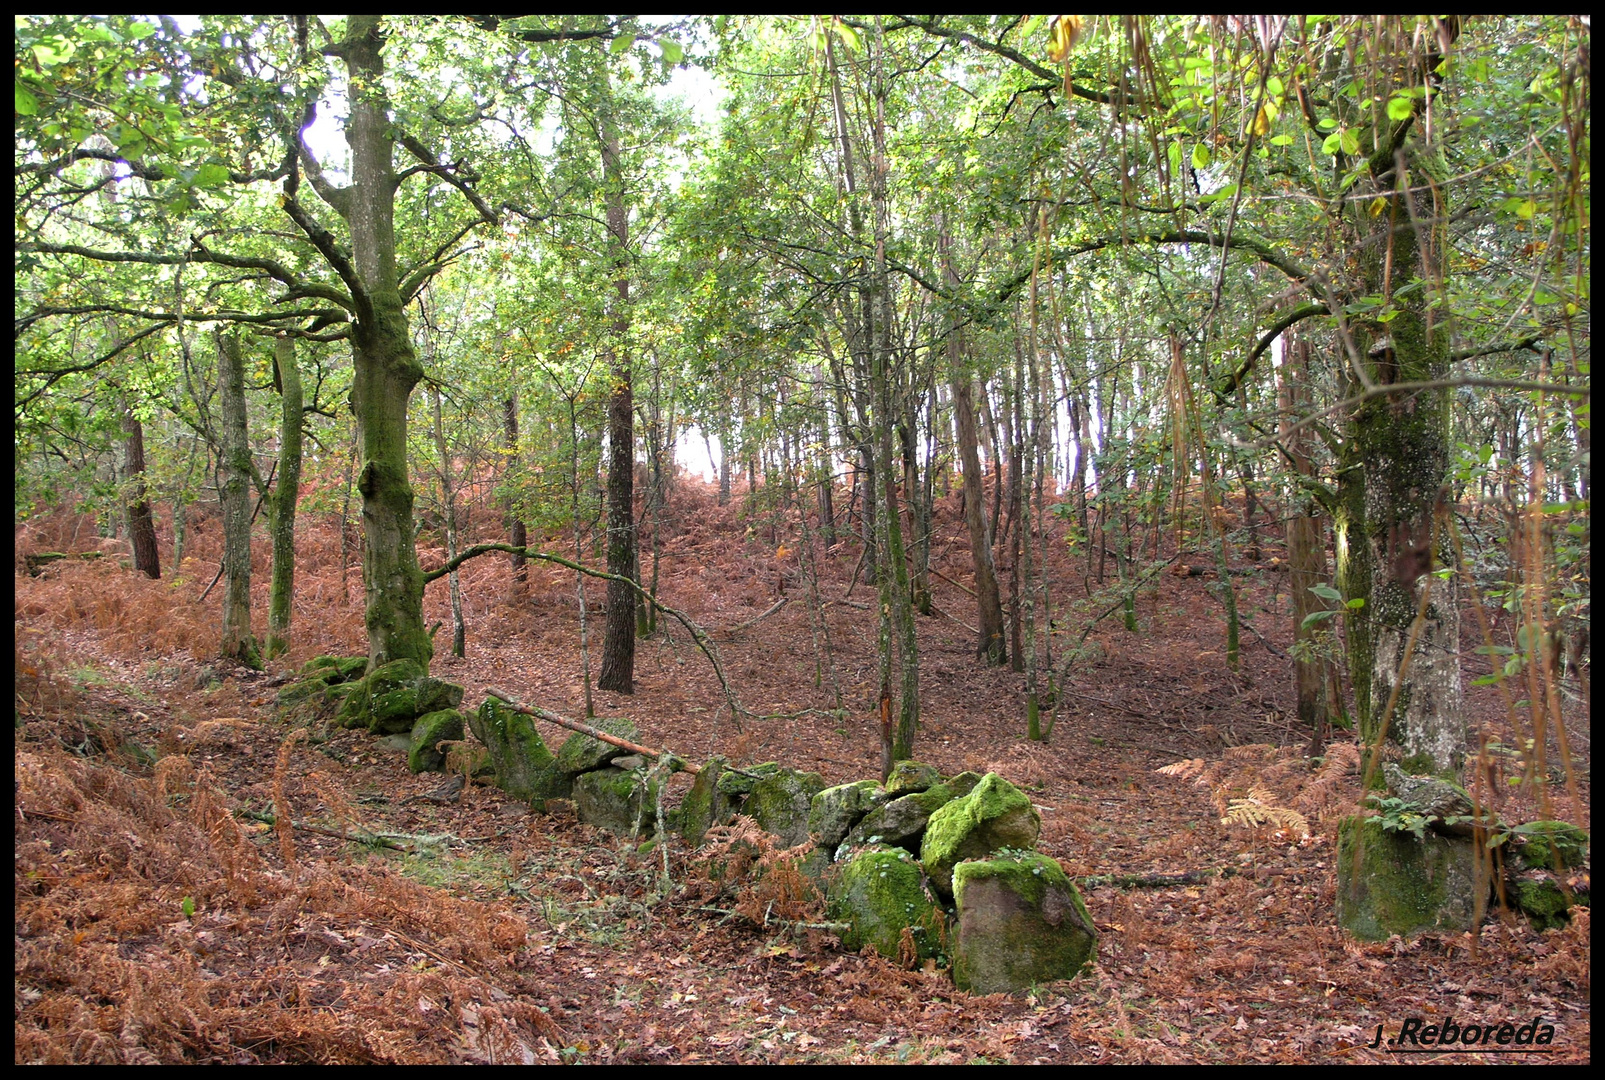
x,y
448,496
517,535
281,505
1306,554
141,525
238,642
618,644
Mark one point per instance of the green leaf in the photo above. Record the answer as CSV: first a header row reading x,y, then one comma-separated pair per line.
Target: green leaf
x,y
27,104
1351,142
187,906
672,51
1281,140
1327,593
1315,617
210,176
1200,156
1356,604
1332,143
1399,108
621,44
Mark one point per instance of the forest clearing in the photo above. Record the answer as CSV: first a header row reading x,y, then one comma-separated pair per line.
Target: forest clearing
x,y
887,539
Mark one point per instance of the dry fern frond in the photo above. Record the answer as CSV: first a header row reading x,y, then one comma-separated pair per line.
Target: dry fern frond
x,y
1185,770
1258,809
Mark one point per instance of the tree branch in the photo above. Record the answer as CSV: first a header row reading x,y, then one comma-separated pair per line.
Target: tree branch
x,y
699,635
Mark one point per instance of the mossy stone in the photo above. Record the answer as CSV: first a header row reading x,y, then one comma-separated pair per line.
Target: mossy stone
x,y
902,821
737,784
908,777
1021,922
704,806
963,783
1545,903
437,694
1548,839
836,810
618,799
336,669
392,692
779,803
993,816
878,894
524,767
582,753
307,690
1392,883
423,750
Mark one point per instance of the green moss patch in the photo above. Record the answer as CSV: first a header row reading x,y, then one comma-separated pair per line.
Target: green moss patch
x,y
994,816
879,894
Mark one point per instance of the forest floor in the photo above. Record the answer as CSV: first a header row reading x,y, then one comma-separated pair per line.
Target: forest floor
x,y
157,918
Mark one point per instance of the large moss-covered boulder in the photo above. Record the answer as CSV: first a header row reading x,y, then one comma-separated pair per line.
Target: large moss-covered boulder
x,y
705,806
619,800
584,753
384,698
423,746
994,816
1021,922
908,777
401,691
738,783
1392,883
1550,842
881,892
902,821
525,768
780,801
836,810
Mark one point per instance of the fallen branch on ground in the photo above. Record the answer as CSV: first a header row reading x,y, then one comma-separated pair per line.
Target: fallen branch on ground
x,y
776,606
586,729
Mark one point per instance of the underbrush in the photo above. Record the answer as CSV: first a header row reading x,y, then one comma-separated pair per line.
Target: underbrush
x,y
152,928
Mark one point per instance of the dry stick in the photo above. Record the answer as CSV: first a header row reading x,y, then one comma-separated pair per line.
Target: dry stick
x,y
699,635
585,729
776,606
950,581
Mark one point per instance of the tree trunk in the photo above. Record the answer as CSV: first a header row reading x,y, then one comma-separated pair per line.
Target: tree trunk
x,y
238,642
1401,449
1306,554
386,368
517,535
281,505
618,645
990,645
448,496
141,526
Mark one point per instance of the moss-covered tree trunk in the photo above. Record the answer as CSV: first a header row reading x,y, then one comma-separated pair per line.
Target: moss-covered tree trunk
x,y
1398,445
281,504
238,641
386,366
